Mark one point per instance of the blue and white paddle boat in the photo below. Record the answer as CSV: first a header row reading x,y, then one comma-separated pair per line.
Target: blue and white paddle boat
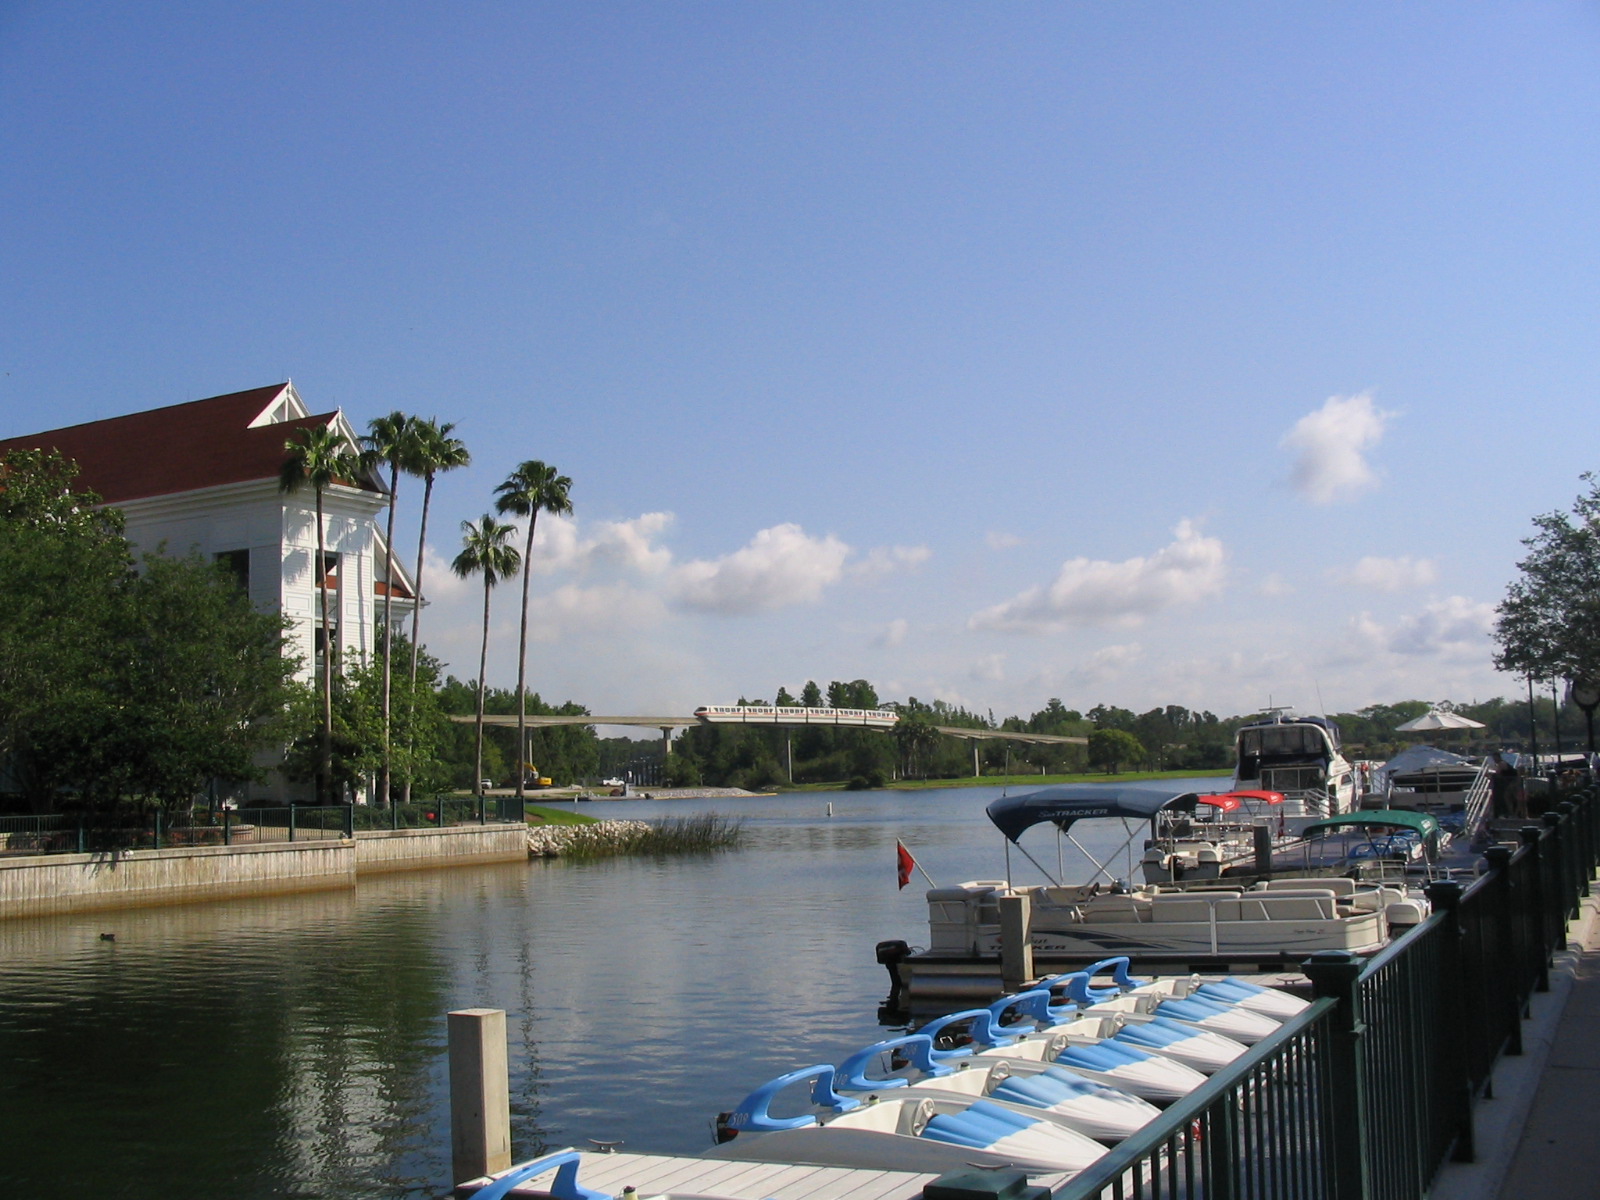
x,y
895,1133
1104,1113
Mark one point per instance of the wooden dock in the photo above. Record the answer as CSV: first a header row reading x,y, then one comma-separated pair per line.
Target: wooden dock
x,y
655,1175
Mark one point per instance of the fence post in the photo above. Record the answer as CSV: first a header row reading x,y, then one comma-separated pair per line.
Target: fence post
x,y
1445,896
1333,973
1556,894
350,821
82,840
1509,930
158,829
291,822
227,827
1531,835
483,817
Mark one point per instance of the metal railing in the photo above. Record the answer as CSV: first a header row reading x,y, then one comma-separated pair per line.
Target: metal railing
x,y
1369,1091
68,833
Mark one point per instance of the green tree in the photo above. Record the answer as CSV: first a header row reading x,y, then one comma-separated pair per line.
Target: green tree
x,y
1111,748
318,457
1549,622
120,687
533,488
486,551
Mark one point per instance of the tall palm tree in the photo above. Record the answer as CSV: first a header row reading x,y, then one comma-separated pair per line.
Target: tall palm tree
x,y
486,550
391,440
531,489
318,457
436,451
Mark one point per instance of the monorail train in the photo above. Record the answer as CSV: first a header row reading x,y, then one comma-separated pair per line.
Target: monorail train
x,y
767,714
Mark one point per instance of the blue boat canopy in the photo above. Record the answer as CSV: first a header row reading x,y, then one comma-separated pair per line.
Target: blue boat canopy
x,y
1420,823
1070,802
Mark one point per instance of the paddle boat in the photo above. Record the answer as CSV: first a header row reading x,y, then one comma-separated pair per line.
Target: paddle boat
x,y
894,1133
1104,1113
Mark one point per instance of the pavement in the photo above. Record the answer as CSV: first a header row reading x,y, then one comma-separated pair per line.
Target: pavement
x,y
1539,1134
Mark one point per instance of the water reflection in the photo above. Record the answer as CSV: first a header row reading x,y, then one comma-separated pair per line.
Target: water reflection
x,y
295,1045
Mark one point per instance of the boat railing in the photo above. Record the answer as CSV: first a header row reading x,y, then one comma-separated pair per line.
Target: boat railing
x,y
1370,1090
1478,800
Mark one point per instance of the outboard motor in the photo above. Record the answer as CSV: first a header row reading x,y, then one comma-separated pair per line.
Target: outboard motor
x,y
891,954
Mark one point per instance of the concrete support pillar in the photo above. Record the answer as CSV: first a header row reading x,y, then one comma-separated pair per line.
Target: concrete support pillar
x,y
976,773
1016,948
480,1093
666,742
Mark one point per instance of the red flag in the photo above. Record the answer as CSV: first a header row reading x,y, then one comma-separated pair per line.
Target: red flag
x,y
903,861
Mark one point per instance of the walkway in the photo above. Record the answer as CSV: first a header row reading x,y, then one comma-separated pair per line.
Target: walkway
x,y
1539,1136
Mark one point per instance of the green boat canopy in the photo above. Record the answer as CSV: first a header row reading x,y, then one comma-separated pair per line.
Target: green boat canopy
x,y
1419,823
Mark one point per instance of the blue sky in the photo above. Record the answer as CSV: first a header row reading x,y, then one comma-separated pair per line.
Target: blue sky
x,y
1135,353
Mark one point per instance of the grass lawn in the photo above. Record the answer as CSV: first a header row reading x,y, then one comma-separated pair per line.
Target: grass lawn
x,y
541,814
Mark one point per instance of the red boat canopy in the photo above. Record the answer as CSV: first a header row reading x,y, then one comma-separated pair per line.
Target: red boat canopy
x,y
1229,801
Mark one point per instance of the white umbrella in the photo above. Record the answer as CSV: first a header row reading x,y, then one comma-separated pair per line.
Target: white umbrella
x,y
1431,721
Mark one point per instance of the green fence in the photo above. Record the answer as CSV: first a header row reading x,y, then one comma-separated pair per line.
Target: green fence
x,y
75,834
1370,1090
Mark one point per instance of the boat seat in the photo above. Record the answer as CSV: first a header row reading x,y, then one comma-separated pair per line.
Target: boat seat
x,y
1339,885
1189,907
1287,908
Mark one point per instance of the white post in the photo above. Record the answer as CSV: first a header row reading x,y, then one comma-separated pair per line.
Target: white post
x,y
480,1093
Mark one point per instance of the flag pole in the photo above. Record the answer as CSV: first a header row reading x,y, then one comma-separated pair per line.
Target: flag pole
x,y
898,842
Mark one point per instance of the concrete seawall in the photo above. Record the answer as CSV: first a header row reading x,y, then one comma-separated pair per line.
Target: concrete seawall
x,y
414,849
39,885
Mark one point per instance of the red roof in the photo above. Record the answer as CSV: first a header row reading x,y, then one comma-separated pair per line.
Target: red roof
x,y
182,448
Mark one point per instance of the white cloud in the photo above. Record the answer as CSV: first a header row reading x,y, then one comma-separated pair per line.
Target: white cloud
x,y
1276,585
780,566
558,544
1107,663
1386,574
893,634
628,543
991,668
883,561
1330,448
1001,541
1095,592
573,611
1454,627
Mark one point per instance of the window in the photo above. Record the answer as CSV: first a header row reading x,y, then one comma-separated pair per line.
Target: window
x,y
237,564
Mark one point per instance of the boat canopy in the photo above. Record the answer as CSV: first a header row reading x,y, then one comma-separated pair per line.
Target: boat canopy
x,y
1420,823
1233,801
1070,802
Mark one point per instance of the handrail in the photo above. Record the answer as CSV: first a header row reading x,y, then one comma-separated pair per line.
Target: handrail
x,y
1478,800
1180,1115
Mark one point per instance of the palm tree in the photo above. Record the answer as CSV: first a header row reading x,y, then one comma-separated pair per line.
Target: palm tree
x,y
436,451
485,550
319,457
391,440
531,489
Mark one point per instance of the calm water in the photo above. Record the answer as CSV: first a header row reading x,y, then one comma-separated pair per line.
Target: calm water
x,y
295,1046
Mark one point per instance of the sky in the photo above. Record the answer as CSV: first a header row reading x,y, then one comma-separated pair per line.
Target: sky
x,y
1139,354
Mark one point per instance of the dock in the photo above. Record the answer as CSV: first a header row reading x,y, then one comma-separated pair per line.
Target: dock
x,y
664,1174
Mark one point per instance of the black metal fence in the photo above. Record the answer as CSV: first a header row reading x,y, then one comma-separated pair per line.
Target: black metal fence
x,y
1370,1090
69,833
